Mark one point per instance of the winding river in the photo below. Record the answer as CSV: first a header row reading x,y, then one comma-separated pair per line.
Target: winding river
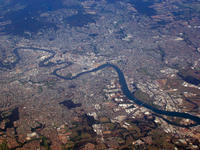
x,y
122,82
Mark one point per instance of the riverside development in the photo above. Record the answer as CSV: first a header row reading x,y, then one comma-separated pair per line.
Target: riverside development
x,y
99,75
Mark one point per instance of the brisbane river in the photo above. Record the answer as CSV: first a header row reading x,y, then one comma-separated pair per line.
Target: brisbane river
x,y
122,82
